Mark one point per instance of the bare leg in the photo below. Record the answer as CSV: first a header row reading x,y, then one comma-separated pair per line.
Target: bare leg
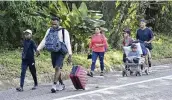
x,y
57,74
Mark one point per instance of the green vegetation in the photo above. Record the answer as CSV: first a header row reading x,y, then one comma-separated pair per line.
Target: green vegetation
x,y
79,18
162,47
11,62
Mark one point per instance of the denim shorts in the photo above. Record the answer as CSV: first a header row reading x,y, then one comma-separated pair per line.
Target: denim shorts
x,y
57,59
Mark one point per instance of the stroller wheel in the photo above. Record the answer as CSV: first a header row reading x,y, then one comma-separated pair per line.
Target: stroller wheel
x,y
131,73
138,73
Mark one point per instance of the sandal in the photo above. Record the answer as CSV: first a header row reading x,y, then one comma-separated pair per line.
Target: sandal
x,y
90,74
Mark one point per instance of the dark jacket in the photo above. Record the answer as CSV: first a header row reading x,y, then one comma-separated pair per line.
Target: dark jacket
x,y
29,47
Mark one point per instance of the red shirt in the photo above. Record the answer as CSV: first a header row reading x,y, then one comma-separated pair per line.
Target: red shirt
x,y
98,39
127,41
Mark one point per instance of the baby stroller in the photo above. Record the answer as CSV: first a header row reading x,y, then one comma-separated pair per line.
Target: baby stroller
x,y
137,66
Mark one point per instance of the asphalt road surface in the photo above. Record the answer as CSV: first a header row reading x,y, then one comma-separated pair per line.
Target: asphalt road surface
x,y
156,86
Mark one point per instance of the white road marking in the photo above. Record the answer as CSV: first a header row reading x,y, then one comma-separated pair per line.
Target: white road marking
x,y
113,87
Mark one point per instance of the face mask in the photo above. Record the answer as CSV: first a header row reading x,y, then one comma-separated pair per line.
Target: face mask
x,y
27,36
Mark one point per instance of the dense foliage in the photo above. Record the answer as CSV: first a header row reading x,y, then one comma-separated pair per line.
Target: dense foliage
x,y
80,18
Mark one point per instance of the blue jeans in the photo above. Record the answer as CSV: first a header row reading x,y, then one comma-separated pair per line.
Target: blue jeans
x,y
94,58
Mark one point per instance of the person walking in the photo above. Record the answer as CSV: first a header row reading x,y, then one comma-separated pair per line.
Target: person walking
x,y
145,36
54,34
28,59
98,46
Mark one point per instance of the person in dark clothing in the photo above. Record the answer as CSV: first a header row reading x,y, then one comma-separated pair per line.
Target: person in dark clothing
x,y
28,59
145,35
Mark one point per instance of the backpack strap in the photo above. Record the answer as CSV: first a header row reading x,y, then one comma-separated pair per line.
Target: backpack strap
x,y
63,29
63,35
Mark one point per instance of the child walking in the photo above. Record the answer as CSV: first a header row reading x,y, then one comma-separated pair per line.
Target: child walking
x,y
28,59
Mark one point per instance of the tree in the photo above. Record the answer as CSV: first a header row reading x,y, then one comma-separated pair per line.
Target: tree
x,y
15,18
78,21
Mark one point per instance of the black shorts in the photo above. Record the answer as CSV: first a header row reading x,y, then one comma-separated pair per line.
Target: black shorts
x,y
57,59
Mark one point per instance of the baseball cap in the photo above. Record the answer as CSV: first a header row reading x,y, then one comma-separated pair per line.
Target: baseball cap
x,y
55,18
28,31
143,20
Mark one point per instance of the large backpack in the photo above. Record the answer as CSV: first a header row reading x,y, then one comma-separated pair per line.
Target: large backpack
x,y
52,43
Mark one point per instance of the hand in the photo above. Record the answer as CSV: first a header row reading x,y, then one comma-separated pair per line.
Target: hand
x,y
147,41
99,45
69,59
89,51
37,53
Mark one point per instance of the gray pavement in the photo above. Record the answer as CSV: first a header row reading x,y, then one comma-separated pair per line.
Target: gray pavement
x,y
156,86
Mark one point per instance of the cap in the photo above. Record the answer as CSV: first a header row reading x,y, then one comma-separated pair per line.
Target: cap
x,y
55,18
143,20
28,31
133,46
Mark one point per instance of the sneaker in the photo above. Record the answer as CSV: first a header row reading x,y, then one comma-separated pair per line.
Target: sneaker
x,y
101,74
150,70
35,87
90,74
53,90
60,87
19,89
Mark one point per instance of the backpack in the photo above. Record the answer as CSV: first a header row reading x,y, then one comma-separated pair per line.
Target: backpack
x,y
52,43
63,49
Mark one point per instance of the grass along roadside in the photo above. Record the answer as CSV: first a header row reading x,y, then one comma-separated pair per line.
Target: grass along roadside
x,y
10,66
10,62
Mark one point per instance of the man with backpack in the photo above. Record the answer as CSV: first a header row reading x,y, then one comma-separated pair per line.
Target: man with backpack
x,y
57,42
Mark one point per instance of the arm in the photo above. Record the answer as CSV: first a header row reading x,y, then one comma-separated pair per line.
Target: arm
x,y
123,42
34,45
138,55
91,43
151,35
131,40
105,42
67,41
137,35
42,44
129,54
